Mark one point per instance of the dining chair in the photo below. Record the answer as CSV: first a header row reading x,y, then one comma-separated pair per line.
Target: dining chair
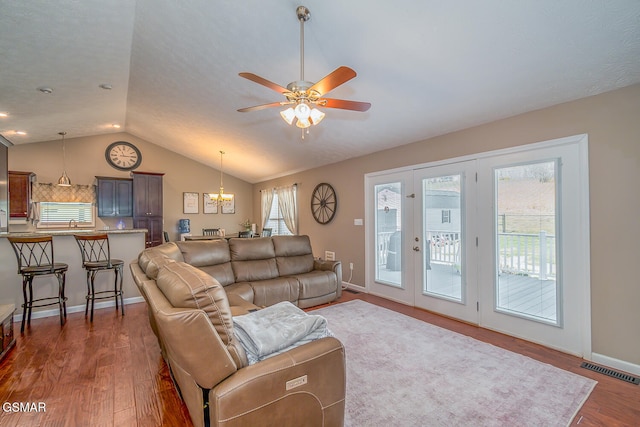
x,y
35,258
210,231
266,232
96,257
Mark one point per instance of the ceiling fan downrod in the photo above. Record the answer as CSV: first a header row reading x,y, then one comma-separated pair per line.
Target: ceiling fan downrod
x,y
303,16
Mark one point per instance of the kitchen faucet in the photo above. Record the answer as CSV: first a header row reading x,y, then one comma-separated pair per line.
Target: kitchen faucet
x,y
75,225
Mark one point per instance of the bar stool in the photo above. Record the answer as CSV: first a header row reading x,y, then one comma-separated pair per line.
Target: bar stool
x,y
96,256
35,258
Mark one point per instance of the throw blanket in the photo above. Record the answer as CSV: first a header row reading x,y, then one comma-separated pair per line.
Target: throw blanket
x,y
276,329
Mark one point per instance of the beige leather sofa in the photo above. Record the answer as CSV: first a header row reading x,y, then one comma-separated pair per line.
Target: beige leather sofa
x,y
191,313
262,271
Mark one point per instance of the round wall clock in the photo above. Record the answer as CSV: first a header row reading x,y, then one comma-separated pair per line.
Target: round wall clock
x,y
123,155
323,203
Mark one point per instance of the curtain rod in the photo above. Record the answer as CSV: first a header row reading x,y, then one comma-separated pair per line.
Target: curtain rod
x,y
295,184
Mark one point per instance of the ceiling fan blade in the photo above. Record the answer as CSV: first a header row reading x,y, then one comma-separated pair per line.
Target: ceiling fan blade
x,y
334,79
344,104
263,106
264,82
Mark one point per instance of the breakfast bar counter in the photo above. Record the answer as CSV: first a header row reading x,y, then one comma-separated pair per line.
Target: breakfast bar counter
x,y
125,244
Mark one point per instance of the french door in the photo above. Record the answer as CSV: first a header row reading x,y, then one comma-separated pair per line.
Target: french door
x,y
444,242
422,253
499,240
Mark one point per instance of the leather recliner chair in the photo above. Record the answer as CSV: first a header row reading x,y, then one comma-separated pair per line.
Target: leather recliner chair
x,y
191,315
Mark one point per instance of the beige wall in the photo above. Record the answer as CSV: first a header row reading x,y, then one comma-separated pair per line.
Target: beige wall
x,y
613,124
85,159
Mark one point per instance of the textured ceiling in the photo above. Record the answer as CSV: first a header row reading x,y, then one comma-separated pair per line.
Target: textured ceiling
x,y
427,68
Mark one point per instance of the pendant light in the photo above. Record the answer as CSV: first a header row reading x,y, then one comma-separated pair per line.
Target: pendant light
x,y
221,196
64,180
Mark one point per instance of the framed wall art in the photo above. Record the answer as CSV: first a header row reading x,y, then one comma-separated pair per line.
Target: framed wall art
x,y
209,205
190,203
229,206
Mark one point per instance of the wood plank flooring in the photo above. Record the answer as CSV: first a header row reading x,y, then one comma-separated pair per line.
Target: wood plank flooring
x,y
110,373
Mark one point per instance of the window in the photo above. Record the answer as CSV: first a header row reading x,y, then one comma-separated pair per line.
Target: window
x,y
62,214
446,216
276,219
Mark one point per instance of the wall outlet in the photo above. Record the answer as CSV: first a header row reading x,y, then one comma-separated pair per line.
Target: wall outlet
x,y
329,255
350,266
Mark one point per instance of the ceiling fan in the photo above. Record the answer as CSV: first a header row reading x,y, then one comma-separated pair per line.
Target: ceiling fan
x,y
302,96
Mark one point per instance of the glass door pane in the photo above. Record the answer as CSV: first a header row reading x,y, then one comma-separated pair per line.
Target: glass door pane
x,y
442,225
388,233
526,241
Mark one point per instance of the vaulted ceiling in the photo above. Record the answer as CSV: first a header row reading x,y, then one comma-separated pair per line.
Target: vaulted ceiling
x,y
427,67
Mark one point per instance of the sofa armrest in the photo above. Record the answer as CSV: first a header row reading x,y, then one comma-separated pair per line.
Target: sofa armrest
x,y
336,267
301,384
326,265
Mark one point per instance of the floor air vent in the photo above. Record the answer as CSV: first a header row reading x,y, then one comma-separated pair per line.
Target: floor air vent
x,y
610,372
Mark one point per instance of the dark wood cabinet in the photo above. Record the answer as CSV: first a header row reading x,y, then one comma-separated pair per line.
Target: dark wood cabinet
x,y
147,205
153,224
20,194
7,338
115,197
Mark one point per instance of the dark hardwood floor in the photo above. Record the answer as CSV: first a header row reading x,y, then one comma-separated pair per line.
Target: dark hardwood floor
x,y
110,373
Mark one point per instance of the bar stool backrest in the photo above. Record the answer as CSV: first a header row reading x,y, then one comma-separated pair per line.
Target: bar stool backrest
x,y
94,248
210,231
33,252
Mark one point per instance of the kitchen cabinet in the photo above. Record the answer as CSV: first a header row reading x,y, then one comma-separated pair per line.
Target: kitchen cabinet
x,y
154,226
20,194
147,205
115,197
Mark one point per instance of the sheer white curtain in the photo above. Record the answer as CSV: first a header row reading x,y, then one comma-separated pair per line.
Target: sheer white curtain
x,y
266,199
288,207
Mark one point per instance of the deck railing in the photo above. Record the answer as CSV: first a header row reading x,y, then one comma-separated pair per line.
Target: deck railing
x,y
528,254
518,253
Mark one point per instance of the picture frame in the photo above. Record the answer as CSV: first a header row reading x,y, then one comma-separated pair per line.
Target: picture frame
x,y
228,206
190,203
209,205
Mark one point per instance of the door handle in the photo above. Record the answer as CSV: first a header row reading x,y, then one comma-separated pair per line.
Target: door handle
x,y
416,248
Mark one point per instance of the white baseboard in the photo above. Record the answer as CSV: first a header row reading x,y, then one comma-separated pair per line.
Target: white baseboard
x,y
353,287
76,309
620,365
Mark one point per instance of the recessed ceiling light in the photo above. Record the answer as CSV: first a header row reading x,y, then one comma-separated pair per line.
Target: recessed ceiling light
x,y
106,86
115,125
20,132
45,89
4,114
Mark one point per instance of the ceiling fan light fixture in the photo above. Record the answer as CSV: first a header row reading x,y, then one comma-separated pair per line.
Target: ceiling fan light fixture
x,y
303,123
288,115
316,116
302,111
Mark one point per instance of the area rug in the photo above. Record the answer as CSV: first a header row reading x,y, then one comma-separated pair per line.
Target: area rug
x,y
405,372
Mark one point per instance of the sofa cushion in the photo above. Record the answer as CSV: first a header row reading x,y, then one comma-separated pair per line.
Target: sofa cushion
x,y
293,254
272,291
317,283
253,259
151,259
186,286
210,256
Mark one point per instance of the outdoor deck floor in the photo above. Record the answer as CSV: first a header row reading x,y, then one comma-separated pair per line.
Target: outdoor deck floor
x,y
520,294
